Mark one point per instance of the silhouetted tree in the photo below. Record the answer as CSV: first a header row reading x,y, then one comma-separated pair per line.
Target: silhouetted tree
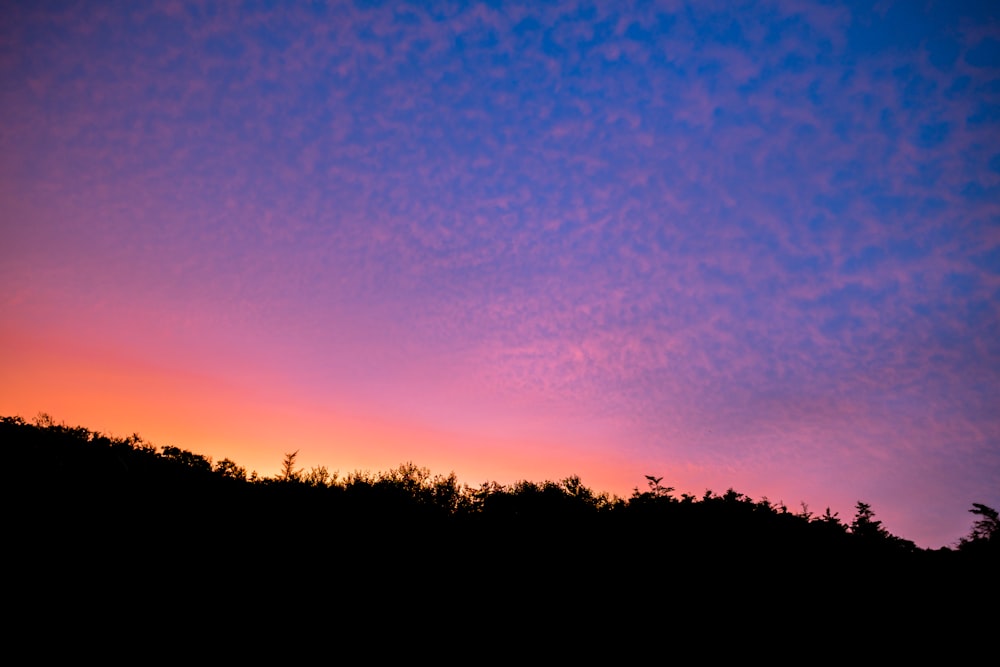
x,y
229,469
44,420
985,531
318,476
186,458
656,489
865,525
288,471
447,493
832,519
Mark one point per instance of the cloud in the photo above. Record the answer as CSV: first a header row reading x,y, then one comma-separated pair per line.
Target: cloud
x,y
777,223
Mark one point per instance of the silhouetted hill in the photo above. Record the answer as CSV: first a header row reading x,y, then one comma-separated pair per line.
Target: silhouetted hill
x,y
93,517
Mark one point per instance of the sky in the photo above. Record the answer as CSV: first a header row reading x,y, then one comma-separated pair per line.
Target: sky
x,y
750,246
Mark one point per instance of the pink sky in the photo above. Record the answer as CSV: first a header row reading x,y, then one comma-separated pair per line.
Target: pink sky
x,y
754,249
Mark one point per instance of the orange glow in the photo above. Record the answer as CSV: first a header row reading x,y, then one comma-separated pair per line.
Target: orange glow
x,y
109,391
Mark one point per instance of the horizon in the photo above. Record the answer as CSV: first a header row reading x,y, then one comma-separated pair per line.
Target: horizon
x,y
754,249
337,477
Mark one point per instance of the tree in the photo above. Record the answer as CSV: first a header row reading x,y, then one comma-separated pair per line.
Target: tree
x,y
832,519
229,469
447,494
656,489
985,531
44,420
865,525
573,486
319,476
186,458
288,471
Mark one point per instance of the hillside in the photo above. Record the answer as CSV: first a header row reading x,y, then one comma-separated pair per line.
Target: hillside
x,y
89,512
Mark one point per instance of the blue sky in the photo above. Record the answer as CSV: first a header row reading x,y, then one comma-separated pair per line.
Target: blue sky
x,y
754,246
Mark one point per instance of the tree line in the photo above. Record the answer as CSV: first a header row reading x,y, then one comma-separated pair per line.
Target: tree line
x,y
57,456
117,538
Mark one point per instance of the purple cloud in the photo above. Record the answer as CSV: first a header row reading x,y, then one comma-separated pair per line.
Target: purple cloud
x,y
761,241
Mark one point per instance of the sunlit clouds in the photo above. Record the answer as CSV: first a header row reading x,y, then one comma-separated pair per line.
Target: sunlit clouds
x,y
756,248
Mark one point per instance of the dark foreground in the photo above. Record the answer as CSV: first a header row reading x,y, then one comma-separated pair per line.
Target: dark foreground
x,y
112,540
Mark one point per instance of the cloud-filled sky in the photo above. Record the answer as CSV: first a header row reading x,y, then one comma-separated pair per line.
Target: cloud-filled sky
x,y
752,246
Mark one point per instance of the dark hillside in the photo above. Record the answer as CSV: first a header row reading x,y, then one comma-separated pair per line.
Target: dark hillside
x,y
92,517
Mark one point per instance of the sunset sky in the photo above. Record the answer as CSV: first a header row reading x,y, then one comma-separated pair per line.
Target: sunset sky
x,y
755,248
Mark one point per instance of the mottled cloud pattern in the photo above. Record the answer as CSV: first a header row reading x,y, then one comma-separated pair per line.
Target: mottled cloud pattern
x,y
756,247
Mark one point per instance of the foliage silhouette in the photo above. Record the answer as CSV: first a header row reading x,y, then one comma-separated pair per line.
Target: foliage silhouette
x,y
288,471
117,506
984,538
230,470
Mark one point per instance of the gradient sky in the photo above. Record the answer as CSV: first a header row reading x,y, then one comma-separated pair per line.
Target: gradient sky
x,y
753,247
